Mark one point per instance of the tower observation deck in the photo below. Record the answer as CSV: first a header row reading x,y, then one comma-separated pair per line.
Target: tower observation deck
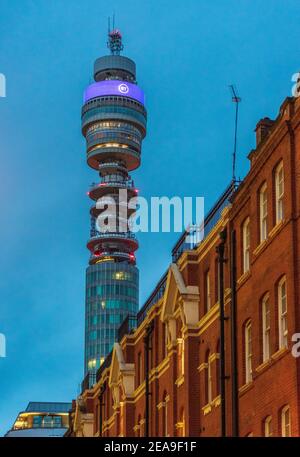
x,y
114,125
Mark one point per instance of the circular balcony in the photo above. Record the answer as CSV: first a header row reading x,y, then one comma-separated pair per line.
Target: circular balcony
x,y
112,188
116,256
113,242
95,212
114,151
94,141
111,167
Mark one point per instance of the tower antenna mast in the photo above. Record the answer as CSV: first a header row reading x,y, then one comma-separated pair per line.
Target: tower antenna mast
x,y
114,42
236,99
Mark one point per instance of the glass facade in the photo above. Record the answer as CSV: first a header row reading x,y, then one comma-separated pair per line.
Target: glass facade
x,y
112,290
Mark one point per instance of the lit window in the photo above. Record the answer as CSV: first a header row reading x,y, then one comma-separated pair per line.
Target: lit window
x,y
246,245
92,364
282,314
248,351
207,291
285,422
266,327
279,192
263,212
268,429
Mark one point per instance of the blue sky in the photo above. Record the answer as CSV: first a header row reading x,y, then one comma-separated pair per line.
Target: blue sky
x,y
187,53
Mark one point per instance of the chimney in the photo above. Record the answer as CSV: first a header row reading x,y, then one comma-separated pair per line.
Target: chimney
x,y
262,129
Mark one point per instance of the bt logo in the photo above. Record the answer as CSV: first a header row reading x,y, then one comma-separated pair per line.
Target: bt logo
x,y
123,88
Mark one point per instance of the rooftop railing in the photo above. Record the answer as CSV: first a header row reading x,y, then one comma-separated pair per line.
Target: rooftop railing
x,y
128,325
88,381
104,365
210,221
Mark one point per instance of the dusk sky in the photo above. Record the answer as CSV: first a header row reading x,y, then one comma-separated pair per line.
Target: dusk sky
x,y
187,53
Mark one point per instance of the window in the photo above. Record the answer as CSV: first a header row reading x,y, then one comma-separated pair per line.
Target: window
x,y
248,352
263,212
268,429
246,245
207,291
37,421
279,192
285,421
282,314
208,380
266,328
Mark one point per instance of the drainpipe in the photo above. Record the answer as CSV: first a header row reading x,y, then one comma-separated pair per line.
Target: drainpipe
x,y
101,403
221,260
234,369
148,348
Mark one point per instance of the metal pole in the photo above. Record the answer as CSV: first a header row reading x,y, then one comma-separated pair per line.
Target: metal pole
x,y
221,261
148,348
234,370
101,403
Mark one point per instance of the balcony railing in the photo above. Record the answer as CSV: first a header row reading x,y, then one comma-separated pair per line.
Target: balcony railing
x,y
127,326
128,183
154,297
88,381
210,221
104,365
96,234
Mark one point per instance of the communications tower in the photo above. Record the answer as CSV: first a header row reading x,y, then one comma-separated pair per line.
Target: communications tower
x,y
114,125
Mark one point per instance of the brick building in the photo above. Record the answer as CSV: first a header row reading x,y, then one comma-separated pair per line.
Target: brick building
x,y
183,369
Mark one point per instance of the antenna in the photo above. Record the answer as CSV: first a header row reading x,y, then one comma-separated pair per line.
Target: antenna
x,y
236,99
114,42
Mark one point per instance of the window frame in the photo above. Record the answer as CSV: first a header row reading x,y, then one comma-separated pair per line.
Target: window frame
x,y
268,427
246,244
263,212
284,424
282,315
279,209
248,352
266,327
